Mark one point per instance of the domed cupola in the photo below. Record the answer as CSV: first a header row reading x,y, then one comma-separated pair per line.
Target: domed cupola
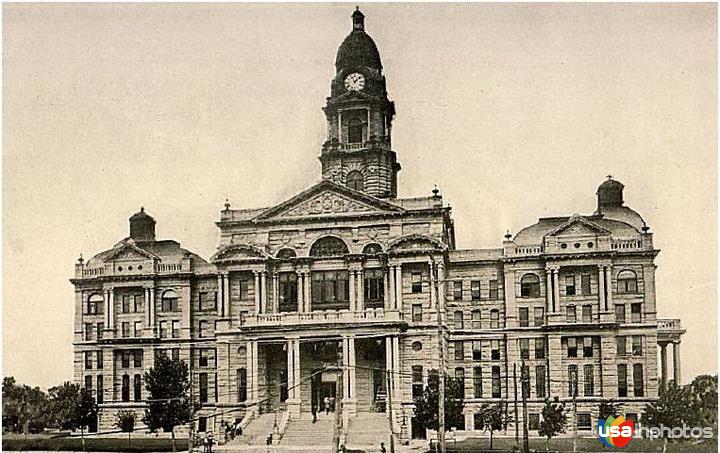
x,y
142,227
610,193
358,49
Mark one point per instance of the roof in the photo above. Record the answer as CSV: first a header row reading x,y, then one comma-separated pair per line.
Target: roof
x,y
475,255
358,49
534,234
166,250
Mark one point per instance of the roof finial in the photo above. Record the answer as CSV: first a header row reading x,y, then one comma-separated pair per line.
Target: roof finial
x,y
609,176
435,190
227,204
142,209
508,235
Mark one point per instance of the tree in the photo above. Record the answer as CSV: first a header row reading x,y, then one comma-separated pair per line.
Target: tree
x,y
671,410
24,408
168,385
493,417
608,408
554,420
125,421
704,395
72,407
426,406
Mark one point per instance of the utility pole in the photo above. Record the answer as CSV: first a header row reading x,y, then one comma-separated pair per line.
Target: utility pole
x,y
191,412
390,412
525,390
574,378
339,389
517,427
441,359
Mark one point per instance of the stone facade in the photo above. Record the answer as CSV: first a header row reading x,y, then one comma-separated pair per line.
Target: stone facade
x,y
320,295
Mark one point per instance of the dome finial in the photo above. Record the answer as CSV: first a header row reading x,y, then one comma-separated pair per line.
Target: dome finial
x,y
358,20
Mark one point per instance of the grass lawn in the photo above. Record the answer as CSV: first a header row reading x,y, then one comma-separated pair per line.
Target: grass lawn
x,y
477,445
46,443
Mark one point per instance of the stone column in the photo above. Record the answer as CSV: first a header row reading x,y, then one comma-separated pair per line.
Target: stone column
x,y
353,363
433,302
398,286
676,362
146,295
300,300
293,378
608,288
275,296
257,292
249,349
352,291
663,364
297,374
221,296
386,291
602,302
152,307
226,292
308,300
548,291
255,368
263,292
398,370
441,289
556,290
360,294
393,293
111,308
107,308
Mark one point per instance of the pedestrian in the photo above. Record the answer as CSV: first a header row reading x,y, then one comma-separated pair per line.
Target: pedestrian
x,y
211,442
326,402
268,440
382,447
314,413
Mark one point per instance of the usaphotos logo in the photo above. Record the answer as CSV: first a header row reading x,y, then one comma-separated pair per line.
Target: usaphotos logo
x,y
615,432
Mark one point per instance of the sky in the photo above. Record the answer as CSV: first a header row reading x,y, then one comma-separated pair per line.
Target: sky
x,y
515,111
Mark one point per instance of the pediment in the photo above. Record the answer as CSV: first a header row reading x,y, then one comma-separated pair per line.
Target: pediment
x,y
328,199
239,252
129,252
416,242
579,226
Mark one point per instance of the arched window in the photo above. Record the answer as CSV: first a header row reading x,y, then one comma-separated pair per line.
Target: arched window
x,y
627,282
286,253
329,246
372,249
355,130
355,180
530,286
169,301
94,305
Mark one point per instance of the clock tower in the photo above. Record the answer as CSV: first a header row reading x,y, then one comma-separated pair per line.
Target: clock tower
x,y
358,151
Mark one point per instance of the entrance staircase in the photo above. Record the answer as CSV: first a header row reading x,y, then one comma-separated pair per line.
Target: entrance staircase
x,y
366,430
255,433
303,434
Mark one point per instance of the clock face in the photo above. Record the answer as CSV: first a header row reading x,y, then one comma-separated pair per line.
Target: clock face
x,y
355,81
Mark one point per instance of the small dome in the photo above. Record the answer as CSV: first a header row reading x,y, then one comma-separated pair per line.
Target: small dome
x,y
358,49
142,227
610,193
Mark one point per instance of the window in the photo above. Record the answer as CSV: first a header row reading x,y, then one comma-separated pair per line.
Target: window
x,y
137,359
530,286
330,290
125,359
638,381
458,290
203,329
475,290
241,385
99,389
202,424
496,382
163,329
540,381
459,348
584,422
494,319
476,319
88,383
585,285
572,347
433,378
524,348
458,320
622,380
587,313
125,303
137,386
374,288
417,381
417,285
99,329
288,292
244,288
125,392
460,376
99,360
95,305
570,285
169,301
637,345
137,303
355,180
523,315
126,330
208,301
477,350
88,360
355,130
329,246
477,382
621,345
137,329
493,290
495,349
572,380
417,346
534,421
539,316
588,347
175,353
372,249
589,375
635,312
539,348
417,312
206,357
626,282
175,328
203,378
88,332
525,380
570,314
620,313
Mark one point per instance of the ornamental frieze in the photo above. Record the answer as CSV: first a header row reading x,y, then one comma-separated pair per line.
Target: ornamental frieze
x,y
327,203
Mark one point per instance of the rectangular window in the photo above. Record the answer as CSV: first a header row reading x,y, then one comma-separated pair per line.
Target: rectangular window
x,y
330,290
137,359
525,348
477,349
635,312
572,380
206,357
88,332
126,303
493,290
494,319
475,290
100,390
476,319
620,313
540,381
417,315
125,359
638,381
637,345
203,329
523,315
125,392
203,378
622,380
621,346
585,284
572,347
244,288
169,301
534,422
587,347
99,360
137,329
539,316
88,383
460,376
374,288
495,349
458,320
175,328
459,348
126,330
417,381
288,292
496,382
477,382
137,387
137,303
570,285
589,379
208,301
587,313
584,422
417,285
241,385
100,327
571,314
163,329
539,348
525,381
88,360
458,290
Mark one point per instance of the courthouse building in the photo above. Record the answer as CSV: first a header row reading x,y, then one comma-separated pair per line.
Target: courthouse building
x,y
316,297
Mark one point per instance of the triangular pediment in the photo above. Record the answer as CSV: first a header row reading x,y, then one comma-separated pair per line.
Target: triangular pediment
x,y
579,226
328,199
129,252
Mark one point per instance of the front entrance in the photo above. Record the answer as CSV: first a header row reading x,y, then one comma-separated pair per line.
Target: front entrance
x,y
323,391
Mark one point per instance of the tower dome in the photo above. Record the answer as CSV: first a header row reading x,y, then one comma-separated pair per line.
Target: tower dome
x,y
610,193
358,49
142,227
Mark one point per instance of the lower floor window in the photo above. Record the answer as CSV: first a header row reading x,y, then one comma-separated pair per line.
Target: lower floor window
x,y
584,422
